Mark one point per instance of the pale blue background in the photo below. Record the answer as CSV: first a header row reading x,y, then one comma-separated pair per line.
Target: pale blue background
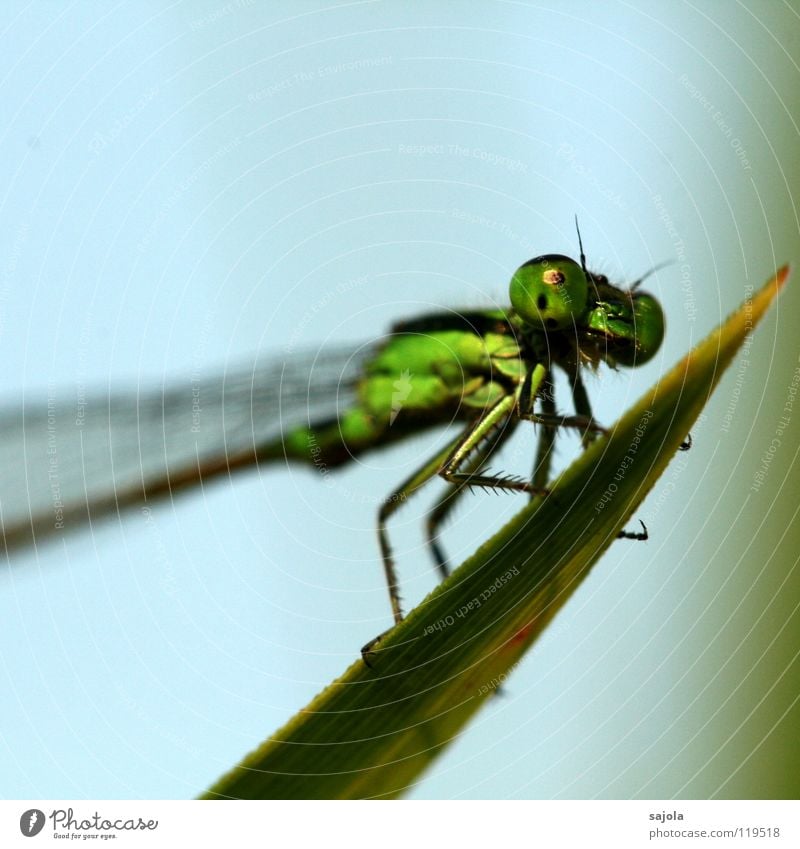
x,y
186,184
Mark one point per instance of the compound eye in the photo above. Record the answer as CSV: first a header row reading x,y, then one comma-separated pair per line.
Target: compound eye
x,y
647,329
549,291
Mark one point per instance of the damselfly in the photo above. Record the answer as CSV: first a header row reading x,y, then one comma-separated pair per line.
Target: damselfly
x,y
491,370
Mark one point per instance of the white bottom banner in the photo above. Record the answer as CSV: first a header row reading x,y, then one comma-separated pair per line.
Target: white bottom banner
x,y
382,825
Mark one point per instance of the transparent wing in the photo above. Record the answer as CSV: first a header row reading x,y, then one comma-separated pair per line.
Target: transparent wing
x,y
63,459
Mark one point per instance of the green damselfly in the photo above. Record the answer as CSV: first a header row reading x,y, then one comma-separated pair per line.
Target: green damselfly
x,y
64,464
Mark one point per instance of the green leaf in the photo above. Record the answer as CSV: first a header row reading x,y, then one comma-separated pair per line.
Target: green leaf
x,y
372,732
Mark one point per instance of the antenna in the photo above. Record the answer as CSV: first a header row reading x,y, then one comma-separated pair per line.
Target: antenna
x,y
653,270
589,277
580,245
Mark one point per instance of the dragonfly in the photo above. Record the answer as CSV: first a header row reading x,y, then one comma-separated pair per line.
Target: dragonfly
x,y
65,464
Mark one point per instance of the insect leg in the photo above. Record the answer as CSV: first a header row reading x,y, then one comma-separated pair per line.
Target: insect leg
x,y
398,497
583,423
547,436
389,506
528,393
583,407
641,536
497,416
448,500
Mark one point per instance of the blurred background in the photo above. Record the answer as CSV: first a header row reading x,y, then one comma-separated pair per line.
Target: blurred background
x,y
186,186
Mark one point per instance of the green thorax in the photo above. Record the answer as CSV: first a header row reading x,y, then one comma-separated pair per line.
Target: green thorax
x,y
422,373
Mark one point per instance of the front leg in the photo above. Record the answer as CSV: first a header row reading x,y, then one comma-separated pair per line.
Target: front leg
x,y
452,494
583,423
496,417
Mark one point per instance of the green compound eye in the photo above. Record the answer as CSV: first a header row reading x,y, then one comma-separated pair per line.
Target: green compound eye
x,y
647,331
549,291
633,327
